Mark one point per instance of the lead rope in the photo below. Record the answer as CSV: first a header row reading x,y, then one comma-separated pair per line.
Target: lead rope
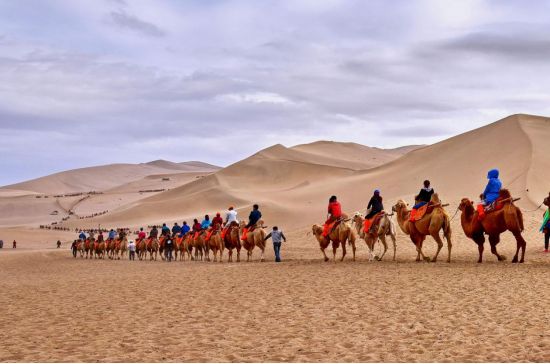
x,y
456,212
532,210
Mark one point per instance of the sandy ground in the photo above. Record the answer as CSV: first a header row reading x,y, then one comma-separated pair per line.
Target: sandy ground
x,y
56,308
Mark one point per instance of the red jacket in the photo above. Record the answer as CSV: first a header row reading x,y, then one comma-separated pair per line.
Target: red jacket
x,y
335,209
217,220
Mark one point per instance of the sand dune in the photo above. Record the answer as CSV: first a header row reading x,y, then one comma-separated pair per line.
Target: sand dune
x,y
105,177
351,155
293,187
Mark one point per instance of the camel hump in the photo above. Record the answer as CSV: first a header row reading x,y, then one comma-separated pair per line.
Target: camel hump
x,y
504,194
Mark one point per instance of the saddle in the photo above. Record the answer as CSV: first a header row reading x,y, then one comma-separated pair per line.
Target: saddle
x,y
371,225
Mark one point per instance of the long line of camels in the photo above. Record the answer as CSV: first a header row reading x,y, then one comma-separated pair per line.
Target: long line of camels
x,y
507,217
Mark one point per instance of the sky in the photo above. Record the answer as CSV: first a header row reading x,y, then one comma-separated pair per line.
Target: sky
x,y
91,82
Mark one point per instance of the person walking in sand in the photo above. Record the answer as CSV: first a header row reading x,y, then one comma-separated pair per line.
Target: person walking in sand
x,y
14,244
132,250
545,228
74,248
169,247
276,236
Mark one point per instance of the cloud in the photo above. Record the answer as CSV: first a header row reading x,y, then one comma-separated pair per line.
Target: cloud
x,y
197,75
127,21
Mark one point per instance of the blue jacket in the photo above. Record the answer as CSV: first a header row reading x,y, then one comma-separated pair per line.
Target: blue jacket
x,y
493,187
176,229
82,236
185,229
112,234
205,224
255,215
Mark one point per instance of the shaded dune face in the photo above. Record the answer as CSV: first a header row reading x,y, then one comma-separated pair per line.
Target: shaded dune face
x,y
292,185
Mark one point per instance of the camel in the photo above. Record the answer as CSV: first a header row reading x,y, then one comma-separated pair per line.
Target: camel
x,y
141,249
162,242
215,244
430,224
80,248
341,234
232,241
89,248
121,245
253,238
385,227
100,249
110,248
199,245
152,245
180,247
493,224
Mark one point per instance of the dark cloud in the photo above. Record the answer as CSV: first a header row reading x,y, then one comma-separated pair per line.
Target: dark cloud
x,y
127,21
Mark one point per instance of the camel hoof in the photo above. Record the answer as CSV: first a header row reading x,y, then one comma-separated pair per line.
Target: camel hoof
x,y
501,258
515,260
427,259
377,258
326,259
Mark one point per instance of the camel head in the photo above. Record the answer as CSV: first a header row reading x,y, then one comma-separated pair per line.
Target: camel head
x,y
399,206
465,204
435,199
316,230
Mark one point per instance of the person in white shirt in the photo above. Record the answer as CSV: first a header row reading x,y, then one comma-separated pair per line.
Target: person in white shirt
x,y
230,216
132,250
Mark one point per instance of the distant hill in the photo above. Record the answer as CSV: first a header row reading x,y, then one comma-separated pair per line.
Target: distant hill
x,y
106,177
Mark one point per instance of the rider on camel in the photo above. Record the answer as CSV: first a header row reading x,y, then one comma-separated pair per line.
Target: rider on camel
x,y
423,197
165,231
154,233
253,218
217,223
375,205
334,212
184,229
141,235
491,193
196,227
230,216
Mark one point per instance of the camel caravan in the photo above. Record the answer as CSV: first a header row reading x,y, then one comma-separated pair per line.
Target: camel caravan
x,y
206,241
206,244
493,215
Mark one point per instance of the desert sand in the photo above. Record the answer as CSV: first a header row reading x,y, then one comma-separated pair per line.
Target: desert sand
x,y
57,308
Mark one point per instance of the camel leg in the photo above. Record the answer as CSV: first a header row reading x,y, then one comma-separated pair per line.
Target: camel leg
x,y
385,244
480,249
435,234
238,254
343,250
449,246
334,247
324,254
394,245
494,240
418,243
520,244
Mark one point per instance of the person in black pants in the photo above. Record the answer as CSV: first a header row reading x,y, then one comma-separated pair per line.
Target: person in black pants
x,y
168,249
